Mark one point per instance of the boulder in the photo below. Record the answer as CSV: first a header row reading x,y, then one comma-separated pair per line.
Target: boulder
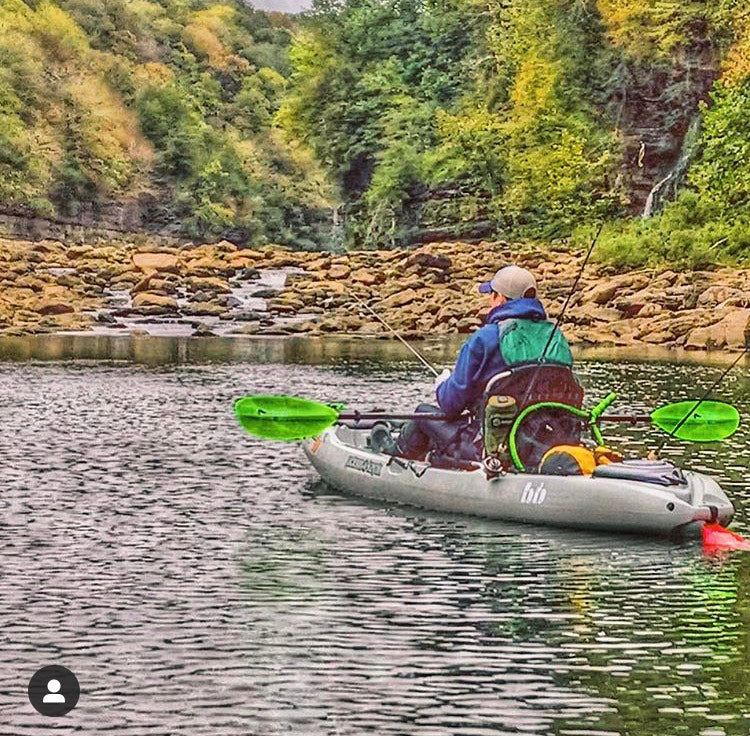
x,y
399,299
152,262
701,338
265,293
147,299
368,278
203,330
205,309
53,305
736,329
468,324
339,271
430,260
208,283
208,265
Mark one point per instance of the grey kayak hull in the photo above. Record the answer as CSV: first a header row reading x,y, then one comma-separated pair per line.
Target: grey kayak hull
x,y
343,460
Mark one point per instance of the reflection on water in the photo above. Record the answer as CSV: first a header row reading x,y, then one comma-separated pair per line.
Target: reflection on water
x,y
202,583
153,350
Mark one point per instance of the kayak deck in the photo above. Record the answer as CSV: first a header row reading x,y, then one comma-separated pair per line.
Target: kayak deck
x,y
342,457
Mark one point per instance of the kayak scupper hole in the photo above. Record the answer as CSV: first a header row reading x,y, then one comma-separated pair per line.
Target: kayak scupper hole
x,y
670,506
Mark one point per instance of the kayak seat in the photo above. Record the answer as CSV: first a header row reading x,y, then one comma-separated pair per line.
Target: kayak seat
x,y
659,472
543,429
531,384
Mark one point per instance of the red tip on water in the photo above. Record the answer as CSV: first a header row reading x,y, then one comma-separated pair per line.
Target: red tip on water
x,y
716,538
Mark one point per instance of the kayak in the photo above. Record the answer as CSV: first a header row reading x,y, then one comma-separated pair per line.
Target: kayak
x,y
639,496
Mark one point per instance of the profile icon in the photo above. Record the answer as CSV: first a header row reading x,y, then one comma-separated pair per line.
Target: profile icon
x,y
54,690
54,695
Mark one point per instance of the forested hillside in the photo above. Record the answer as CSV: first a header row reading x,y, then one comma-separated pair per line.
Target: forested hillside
x,y
533,118
423,119
153,114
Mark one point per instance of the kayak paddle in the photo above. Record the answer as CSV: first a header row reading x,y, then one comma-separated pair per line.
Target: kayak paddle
x,y
290,418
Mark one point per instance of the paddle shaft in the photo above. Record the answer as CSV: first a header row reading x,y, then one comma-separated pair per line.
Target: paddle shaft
x,y
361,416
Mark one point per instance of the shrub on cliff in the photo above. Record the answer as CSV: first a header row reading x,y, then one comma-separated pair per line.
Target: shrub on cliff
x,y
709,222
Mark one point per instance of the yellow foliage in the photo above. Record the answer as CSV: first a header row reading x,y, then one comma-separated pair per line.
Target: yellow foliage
x,y
110,131
152,74
737,62
534,87
15,15
651,27
209,33
60,36
217,18
206,43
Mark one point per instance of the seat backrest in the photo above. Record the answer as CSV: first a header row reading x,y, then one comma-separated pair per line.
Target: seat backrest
x,y
530,384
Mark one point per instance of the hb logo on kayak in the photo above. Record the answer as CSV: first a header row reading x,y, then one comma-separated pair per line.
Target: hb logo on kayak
x,y
534,494
364,466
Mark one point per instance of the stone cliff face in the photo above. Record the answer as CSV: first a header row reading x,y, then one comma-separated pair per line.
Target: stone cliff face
x,y
654,108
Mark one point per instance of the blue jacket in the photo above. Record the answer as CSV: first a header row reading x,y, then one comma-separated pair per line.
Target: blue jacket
x,y
480,356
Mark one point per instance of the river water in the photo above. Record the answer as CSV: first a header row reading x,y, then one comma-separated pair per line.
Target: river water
x,y
199,582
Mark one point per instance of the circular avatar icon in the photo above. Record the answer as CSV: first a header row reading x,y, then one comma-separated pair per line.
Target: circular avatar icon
x,y
54,690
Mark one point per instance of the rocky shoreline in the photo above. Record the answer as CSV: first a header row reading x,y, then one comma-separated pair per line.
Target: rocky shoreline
x,y
48,287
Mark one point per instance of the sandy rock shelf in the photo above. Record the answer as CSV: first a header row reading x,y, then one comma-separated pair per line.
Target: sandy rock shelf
x,y
217,288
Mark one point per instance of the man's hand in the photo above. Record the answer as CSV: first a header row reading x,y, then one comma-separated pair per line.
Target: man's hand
x,y
442,377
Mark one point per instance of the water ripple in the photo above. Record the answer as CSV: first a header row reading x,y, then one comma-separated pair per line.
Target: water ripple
x,y
201,583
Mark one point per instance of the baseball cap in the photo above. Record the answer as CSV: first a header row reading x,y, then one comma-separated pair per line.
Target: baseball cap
x,y
513,282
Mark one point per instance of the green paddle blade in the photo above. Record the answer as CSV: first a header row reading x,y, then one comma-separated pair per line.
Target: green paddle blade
x,y
711,421
285,418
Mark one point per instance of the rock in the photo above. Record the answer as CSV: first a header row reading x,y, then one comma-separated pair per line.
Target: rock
x,y
246,330
247,274
468,324
159,301
208,283
430,260
368,278
54,306
326,288
399,299
590,313
246,315
203,330
658,338
152,262
205,309
701,338
265,293
736,328
339,271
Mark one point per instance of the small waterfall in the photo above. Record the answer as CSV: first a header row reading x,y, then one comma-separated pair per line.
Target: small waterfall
x,y
667,187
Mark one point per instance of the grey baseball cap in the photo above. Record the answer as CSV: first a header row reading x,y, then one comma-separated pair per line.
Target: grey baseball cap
x,y
513,282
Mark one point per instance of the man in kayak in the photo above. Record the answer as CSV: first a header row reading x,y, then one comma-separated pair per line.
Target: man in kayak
x,y
516,332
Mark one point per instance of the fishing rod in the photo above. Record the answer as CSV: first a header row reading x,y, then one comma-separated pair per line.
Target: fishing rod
x,y
703,398
414,351
561,314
